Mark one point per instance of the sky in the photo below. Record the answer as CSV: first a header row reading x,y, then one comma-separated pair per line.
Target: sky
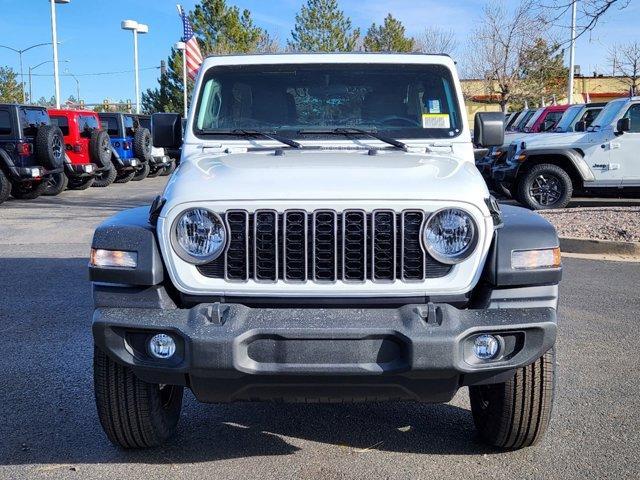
x,y
92,41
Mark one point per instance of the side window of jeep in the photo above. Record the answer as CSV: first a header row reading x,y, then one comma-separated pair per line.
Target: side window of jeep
x,y
31,119
5,123
634,115
129,126
62,123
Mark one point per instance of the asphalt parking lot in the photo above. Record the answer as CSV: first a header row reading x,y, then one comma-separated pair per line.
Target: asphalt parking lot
x,y
49,427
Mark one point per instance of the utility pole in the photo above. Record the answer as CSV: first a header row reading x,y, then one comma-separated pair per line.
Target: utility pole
x,y
572,49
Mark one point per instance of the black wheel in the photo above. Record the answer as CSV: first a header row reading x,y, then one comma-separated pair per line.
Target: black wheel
x,y
28,190
100,148
104,178
49,146
169,169
141,173
80,183
142,145
516,413
133,414
545,186
55,184
125,177
155,171
5,187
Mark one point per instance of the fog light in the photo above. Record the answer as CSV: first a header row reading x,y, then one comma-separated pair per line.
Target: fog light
x,y
162,346
486,347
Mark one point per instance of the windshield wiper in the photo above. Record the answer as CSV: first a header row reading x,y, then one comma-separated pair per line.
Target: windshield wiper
x,y
352,130
254,133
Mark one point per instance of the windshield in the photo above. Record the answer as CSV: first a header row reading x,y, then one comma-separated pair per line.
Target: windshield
x,y
607,114
512,119
567,119
411,101
524,118
538,113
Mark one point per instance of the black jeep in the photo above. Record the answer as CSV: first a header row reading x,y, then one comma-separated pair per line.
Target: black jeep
x,y
31,151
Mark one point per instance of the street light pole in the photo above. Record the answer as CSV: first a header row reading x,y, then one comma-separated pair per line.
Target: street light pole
x,y
572,49
20,52
54,41
32,69
136,28
183,48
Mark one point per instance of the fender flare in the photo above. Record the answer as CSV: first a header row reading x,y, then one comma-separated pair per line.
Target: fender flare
x,y
574,157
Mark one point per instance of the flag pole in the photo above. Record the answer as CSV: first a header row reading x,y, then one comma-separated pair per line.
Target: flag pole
x,y
183,47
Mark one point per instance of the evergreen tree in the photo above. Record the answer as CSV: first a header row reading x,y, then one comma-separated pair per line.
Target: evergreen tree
x,y
322,27
388,37
544,75
10,90
220,29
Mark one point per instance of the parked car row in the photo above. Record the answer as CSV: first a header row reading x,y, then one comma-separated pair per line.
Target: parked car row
x,y
46,152
590,149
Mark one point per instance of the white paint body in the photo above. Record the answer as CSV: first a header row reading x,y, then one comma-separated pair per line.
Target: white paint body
x,y
222,174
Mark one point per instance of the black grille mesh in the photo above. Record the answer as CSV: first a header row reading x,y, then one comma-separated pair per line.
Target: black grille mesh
x,y
325,246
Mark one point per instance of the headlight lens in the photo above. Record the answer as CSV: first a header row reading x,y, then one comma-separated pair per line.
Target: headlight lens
x,y
450,235
199,236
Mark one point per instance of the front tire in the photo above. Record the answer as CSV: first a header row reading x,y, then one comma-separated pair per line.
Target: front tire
x,y
516,413
133,413
56,184
545,186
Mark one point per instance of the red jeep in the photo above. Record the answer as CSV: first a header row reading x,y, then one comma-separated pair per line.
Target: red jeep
x,y
545,119
88,149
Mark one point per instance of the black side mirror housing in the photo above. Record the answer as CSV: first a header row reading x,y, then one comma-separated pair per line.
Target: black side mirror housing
x,y
624,125
580,126
166,130
488,129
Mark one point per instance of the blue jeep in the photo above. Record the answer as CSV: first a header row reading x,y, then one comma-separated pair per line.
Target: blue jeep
x,y
131,146
31,151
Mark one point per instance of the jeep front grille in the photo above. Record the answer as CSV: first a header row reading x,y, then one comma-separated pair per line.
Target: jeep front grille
x,y
324,246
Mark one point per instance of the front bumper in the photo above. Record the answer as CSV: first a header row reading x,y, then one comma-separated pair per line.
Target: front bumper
x,y
160,161
228,352
505,173
26,174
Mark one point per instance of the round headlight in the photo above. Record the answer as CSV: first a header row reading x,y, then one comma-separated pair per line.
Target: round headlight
x,y
450,235
199,236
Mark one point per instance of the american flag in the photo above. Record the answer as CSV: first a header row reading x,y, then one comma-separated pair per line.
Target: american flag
x,y
192,51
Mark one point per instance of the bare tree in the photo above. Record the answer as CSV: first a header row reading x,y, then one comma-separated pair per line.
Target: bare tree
x,y
436,40
590,12
626,62
497,49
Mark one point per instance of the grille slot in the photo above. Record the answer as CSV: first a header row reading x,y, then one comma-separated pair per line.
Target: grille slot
x,y
325,246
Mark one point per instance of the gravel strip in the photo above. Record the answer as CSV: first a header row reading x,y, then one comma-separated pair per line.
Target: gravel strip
x,y
620,224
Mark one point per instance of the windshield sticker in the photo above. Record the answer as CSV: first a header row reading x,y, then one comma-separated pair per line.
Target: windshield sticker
x,y
434,106
436,120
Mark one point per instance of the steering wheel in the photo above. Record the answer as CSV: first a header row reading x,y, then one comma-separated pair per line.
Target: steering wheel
x,y
399,121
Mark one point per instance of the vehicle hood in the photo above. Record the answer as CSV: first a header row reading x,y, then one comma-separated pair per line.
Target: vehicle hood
x,y
553,140
307,175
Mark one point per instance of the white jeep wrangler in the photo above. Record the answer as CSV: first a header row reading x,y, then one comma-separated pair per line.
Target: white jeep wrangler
x,y
544,171
326,237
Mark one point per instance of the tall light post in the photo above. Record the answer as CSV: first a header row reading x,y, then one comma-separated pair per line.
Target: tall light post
x,y
31,69
183,47
20,52
136,28
572,49
54,41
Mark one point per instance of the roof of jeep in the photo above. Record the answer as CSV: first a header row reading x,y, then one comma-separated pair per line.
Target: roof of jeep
x,y
337,57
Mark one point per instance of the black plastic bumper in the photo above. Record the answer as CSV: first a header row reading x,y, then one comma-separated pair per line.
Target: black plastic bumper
x,y
77,170
228,352
160,161
505,173
25,174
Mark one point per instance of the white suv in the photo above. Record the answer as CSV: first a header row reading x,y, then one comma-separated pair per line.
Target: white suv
x,y
545,170
326,238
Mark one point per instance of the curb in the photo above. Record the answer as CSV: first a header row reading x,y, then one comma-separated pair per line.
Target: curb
x,y
599,247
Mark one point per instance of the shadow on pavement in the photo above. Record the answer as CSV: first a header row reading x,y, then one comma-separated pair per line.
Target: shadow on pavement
x,y
48,412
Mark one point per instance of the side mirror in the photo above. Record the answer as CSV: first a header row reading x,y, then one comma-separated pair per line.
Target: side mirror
x,y
166,129
624,125
580,126
488,129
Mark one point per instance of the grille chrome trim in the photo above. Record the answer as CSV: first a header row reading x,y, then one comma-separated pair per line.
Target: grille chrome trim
x,y
314,245
394,248
246,242
344,245
255,245
285,217
403,255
